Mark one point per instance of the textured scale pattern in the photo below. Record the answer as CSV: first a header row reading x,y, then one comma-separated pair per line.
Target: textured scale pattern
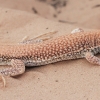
x,y
72,46
18,68
66,47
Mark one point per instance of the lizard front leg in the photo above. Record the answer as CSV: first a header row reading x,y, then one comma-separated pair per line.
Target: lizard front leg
x,y
18,67
92,59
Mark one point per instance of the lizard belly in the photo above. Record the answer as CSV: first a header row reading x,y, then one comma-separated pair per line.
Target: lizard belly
x,y
53,59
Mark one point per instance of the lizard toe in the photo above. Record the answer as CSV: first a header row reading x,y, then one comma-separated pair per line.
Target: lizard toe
x,y
2,78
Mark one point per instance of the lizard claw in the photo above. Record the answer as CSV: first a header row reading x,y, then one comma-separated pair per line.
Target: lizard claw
x,y
3,79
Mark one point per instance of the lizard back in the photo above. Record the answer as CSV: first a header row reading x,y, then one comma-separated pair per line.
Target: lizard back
x,y
71,46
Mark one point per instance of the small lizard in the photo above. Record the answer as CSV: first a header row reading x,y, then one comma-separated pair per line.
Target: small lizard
x,y
72,46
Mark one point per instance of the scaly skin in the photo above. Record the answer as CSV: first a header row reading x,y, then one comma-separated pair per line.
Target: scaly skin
x,y
72,46
66,47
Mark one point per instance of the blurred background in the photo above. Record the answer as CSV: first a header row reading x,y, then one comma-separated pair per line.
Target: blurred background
x,y
83,13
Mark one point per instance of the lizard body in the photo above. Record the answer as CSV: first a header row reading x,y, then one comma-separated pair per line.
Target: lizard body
x,y
66,47
71,46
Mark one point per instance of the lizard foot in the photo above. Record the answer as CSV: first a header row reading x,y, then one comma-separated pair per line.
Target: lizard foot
x,y
18,67
38,39
77,30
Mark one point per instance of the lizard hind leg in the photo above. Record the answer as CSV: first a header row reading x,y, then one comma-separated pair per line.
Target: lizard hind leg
x,y
38,39
18,67
92,59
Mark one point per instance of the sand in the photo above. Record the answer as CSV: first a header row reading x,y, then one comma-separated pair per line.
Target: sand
x,y
66,80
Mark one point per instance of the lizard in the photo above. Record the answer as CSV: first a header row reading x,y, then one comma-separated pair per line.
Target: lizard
x,y
66,47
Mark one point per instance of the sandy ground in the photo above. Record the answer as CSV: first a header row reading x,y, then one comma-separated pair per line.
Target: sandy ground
x,y
67,80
